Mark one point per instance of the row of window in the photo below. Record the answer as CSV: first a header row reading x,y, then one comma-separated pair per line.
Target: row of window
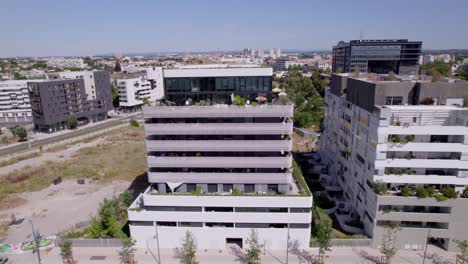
x,y
259,83
219,224
227,209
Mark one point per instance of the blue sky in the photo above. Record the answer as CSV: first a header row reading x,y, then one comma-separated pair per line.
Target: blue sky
x,y
85,27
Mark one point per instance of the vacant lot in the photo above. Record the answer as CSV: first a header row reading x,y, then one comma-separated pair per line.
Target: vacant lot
x,y
120,156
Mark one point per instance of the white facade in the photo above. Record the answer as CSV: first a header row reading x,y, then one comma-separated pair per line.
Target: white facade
x,y
399,145
132,91
66,63
229,157
15,105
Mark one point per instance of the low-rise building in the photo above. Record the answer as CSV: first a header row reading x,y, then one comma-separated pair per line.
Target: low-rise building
x,y
15,106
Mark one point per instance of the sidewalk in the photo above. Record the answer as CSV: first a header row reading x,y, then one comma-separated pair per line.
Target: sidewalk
x,y
337,255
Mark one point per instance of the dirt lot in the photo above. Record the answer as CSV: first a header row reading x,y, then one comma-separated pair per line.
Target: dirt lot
x,y
110,165
58,208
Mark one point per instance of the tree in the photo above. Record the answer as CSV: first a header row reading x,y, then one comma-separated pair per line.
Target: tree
x,y
127,253
146,101
323,235
356,71
189,249
115,94
387,247
21,133
463,247
255,248
72,122
66,251
134,123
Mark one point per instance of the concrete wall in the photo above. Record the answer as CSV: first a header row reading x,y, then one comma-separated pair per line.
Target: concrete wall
x,y
215,237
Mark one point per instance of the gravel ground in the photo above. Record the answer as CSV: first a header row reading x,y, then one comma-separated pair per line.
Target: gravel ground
x,y
58,207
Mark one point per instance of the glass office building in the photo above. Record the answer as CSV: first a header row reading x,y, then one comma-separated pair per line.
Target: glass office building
x,y
377,56
216,84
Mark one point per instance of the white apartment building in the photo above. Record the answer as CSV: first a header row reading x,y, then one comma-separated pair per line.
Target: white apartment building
x,y
61,62
407,135
15,106
220,170
133,91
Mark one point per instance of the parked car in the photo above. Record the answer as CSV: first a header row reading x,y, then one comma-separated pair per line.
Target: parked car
x,y
3,260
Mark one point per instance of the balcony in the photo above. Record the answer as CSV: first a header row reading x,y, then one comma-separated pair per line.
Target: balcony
x,y
219,145
218,111
241,178
421,179
219,129
421,163
219,162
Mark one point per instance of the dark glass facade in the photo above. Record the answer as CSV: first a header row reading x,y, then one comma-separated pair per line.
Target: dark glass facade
x,y
216,89
377,56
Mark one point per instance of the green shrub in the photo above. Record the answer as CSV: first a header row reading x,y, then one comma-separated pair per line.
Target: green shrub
x,y
449,193
421,192
379,187
198,191
236,192
430,191
134,123
440,197
238,100
407,191
465,192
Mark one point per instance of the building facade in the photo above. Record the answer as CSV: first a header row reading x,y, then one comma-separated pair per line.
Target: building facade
x,y
87,95
408,137
220,171
377,56
133,91
216,84
15,106
60,62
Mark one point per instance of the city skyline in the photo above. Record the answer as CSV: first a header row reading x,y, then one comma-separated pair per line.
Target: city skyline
x,y
53,28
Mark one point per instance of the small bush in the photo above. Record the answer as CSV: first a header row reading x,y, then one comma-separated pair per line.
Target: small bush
x,y
421,192
238,100
407,191
379,187
430,191
465,192
440,197
236,192
134,123
198,191
449,193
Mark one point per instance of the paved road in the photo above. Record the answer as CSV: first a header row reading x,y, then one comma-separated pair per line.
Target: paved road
x,y
53,138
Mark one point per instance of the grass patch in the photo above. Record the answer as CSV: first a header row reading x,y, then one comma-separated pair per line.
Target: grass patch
x,y
18,159
300,178
3,229
103,162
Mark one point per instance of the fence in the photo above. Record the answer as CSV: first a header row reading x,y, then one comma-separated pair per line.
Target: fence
x,y
91,242
346,242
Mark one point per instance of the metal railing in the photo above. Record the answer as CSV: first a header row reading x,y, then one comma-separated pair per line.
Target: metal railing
x,y
94,242
361,242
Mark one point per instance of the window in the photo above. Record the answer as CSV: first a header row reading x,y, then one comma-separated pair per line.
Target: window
x,y
393,100
191,187
249,188
212,188
272,188
227,187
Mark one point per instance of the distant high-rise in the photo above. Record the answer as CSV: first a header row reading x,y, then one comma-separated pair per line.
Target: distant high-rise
x,y
377,56
278,53
272,53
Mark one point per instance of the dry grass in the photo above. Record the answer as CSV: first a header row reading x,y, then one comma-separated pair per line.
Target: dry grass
x,y
302,144
11,202
3,229
122,160
19,158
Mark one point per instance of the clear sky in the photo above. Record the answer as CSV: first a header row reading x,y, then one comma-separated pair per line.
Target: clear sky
x,y
87,27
